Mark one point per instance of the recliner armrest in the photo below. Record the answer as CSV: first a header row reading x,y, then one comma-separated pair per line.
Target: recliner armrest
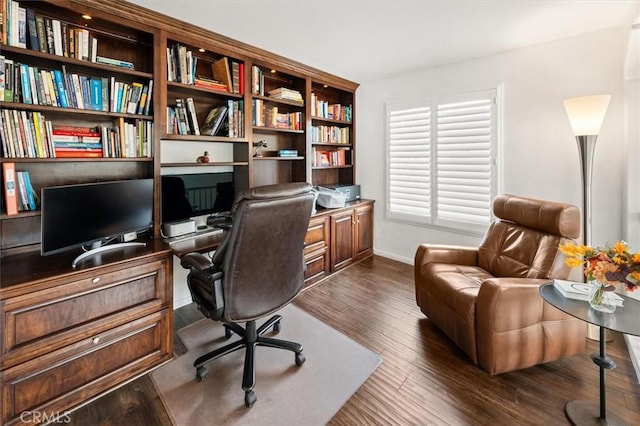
x,y
436,253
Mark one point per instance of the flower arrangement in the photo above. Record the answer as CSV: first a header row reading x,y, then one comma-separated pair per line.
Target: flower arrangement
x,y
608,265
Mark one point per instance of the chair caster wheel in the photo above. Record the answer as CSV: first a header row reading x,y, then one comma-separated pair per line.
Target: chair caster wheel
x,y
300,359
276,327
201,373
250,398
227,332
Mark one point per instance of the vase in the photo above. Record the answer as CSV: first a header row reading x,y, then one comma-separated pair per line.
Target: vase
x,y
600,299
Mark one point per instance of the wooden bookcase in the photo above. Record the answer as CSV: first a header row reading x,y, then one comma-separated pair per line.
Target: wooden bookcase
x,y
127,32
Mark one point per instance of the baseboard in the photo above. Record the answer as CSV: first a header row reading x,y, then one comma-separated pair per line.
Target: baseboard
x,y
392,256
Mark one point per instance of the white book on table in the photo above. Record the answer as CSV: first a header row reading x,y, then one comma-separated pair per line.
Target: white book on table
x,y
582,291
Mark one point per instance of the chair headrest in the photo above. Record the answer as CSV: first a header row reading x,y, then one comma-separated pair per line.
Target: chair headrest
x,y
273,191
547,216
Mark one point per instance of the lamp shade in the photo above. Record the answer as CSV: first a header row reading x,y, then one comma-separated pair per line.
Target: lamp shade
x,y
586,113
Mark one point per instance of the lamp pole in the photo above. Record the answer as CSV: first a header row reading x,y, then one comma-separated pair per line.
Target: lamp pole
x,y
586,148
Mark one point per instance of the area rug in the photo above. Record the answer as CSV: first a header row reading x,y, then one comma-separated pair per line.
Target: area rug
x,y
335,368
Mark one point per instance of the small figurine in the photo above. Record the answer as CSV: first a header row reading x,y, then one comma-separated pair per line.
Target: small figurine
x,y
203,158
258,145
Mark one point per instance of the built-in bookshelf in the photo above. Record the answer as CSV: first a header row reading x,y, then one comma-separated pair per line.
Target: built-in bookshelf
x,y
278,125
332,135
133,87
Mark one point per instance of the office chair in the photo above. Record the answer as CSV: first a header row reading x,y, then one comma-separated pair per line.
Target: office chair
x,y
257,269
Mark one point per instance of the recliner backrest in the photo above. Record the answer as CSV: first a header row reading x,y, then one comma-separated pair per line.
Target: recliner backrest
x,y
523,241
262,257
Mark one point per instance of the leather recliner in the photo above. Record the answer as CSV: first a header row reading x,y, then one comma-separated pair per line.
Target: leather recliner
x,y
486,298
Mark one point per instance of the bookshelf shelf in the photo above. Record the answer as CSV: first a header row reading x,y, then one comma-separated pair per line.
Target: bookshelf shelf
x,y
48,58
331,120
71,111
348,166
277,158
191,89
275,129
346,145
209,164
279,101
201,138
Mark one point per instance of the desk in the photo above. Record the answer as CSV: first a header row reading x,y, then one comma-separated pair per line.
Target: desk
x,y
624,320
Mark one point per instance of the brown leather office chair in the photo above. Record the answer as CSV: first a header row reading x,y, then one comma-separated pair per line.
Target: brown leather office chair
x,y
486,298
257,270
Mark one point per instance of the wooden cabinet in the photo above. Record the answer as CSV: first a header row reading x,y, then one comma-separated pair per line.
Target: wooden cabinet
x,y
351,235
75,334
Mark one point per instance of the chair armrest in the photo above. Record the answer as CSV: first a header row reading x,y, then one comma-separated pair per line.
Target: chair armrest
x,y
195,261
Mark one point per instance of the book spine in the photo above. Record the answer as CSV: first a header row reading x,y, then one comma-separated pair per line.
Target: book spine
x,y
9,178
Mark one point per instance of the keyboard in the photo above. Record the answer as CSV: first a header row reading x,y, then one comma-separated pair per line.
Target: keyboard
x,y
208,231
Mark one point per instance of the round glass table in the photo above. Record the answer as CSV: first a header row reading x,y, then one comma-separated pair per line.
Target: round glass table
x,y
623,320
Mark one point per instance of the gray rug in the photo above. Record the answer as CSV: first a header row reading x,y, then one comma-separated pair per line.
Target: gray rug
x,y
335,368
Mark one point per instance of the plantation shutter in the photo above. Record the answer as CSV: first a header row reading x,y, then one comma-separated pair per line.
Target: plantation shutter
x,y
409,162
465,145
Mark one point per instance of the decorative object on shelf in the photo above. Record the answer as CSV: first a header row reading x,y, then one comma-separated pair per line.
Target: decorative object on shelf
x,y
203,158
257,146
606,267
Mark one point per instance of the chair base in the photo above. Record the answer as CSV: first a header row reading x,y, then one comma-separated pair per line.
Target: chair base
x,y
250,337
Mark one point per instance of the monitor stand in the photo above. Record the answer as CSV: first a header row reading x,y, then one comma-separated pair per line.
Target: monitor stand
x,y
100,249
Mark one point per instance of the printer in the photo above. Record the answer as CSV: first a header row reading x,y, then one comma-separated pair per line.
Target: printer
x,y
351,192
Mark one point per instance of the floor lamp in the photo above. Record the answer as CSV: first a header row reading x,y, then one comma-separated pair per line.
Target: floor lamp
x,y
586,114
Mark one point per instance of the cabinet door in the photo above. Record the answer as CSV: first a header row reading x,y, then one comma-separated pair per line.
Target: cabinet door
x,y
364,231
342,239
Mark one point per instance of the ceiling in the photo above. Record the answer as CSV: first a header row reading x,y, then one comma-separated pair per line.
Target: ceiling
x,y
370,40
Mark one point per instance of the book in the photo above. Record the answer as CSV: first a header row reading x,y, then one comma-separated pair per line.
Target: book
x,y
582,291
34,43
134,98
9,184
193,118
32,196
213,120
115,62
23,201
41,33
221,72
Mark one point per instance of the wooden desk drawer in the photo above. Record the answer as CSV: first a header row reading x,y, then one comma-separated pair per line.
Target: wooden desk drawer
x,y
317,235
39,322
62,378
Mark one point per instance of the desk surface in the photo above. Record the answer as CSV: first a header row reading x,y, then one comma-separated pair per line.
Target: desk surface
x,y
625,319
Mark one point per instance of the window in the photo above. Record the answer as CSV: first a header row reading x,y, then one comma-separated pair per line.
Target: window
x,y
441,156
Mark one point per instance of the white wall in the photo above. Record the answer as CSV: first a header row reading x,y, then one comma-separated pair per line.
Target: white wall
x,y
539,152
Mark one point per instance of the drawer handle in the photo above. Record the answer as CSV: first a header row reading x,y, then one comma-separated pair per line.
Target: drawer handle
x,y
96,280
96,340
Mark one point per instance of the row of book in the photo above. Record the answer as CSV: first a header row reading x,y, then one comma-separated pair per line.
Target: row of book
x,y
27,134
327,158
18,190
330,134
324,109
269,116
22,27
226,74
26,84
222,120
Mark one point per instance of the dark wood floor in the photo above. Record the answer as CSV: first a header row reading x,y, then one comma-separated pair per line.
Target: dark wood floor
x,y
424,379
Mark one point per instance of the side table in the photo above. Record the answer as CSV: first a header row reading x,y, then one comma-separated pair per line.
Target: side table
x,y
623,320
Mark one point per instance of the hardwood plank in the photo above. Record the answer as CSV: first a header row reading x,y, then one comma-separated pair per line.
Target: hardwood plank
x,y
424,378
